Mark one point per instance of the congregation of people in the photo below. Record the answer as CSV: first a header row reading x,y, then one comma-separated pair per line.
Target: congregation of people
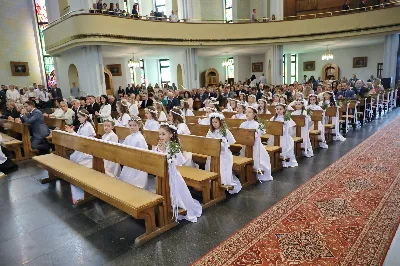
x,y
165,109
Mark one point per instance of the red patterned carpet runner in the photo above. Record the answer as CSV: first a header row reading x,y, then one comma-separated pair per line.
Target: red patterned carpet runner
x,y
345,215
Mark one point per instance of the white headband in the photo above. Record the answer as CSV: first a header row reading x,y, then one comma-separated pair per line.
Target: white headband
x,y
151,111
217,115
171,126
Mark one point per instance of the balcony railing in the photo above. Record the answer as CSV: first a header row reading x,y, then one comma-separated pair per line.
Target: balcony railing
x,y
389,4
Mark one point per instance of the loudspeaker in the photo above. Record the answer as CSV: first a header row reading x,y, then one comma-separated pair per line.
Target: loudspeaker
x,y
386,82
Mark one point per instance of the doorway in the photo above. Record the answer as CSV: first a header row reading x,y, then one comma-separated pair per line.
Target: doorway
x,y
179,77
108,81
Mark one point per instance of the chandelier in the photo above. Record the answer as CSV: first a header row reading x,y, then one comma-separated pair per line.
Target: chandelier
x,y
227,62
327,55
132,63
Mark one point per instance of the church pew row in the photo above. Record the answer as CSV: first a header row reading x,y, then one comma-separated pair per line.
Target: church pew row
x,y
54,123
137,202
207,182
11,139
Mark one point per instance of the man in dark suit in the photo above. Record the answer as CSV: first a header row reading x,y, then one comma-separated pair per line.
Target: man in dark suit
x,y
346,5
113,103
172,101
76,106
201,96
146,102
3,98
37,126
56,92
360,89
92,107
363,4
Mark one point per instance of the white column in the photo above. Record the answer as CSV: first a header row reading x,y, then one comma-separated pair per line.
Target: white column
x,y
273,65
53,10
89,63
189,69
189,9
276,8
391,47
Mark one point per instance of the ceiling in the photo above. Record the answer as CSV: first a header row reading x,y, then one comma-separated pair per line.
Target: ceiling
x,y
158,51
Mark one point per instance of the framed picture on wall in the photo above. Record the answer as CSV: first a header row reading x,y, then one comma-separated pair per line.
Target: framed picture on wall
x,y
257,67
115,69
19,68
309,66
360,62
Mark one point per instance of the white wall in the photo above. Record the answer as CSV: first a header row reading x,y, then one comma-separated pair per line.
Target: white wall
x,y
212,62
242,67
119,80
256,59
18,42
212,9
89,63
344,59
152,70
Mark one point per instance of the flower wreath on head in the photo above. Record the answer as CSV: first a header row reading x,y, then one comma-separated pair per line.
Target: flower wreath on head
x,y
174,112
135,118
83,114
263,100
124,103
174,147
211,108
217,115
252,107
151,111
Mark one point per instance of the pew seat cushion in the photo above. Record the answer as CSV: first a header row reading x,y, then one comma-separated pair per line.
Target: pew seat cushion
x,y
239,160
109,189
330,126
273,148
315,132
195,174
9,141
297,139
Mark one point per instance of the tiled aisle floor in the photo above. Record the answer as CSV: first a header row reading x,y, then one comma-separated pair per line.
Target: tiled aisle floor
x,y
39,226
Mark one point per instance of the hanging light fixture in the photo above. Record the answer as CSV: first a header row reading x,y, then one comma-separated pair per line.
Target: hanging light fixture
x,y
133,63
328,55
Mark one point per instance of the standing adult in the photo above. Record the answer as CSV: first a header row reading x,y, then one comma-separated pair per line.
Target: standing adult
x,y
37,126
56,92
253,17
263,80
74,91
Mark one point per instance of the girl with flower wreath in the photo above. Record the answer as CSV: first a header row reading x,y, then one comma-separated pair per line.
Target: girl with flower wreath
x,y
179,192
111,168
241,108
299,109
206,120
137,140
85,129
314,106
286,141
176,117
263,106
262,162
123,114
231,106
329,101
152,119
219,130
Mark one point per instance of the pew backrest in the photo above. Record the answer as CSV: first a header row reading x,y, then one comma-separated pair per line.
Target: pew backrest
x,y
193,119
231,122
300,121
55,122
21,128
274,128
271,109
316,116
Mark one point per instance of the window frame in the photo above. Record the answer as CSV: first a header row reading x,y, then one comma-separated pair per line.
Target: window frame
x,y
284,69
379,70
162,82
142,72
295,68
158,6
228,8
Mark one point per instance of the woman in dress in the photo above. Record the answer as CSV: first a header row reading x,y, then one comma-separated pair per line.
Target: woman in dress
x,y
123,115
111,168
85,129
262,163
286,141
179,192
152,117
137,140
219,130
105,109
313,105
299,109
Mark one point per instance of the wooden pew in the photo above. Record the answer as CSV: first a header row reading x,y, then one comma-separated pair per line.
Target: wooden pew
x,y
271,109
300,121
316,116
231,122
199,113
330,112
54,123
196,178
137,202
193,119
265,117
242,166
11,143
275,128
142,113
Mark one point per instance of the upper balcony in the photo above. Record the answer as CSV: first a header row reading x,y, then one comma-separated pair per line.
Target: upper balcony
x,y
82,28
